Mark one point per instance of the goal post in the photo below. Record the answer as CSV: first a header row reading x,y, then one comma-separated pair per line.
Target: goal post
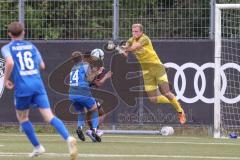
x,y
227,79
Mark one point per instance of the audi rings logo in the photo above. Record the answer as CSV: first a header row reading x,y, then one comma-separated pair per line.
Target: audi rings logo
x,y
200,74
2,65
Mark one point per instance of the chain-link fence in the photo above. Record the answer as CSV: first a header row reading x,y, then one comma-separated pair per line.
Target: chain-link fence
x,y
69,19
164,19
8,13
107,19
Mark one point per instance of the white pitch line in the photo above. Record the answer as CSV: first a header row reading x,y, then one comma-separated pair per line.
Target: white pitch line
x,y
153,137
23,135
112,136
175,142
7,154
158,142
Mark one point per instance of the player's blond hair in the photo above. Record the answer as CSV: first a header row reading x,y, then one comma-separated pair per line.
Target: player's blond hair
x,y
140,26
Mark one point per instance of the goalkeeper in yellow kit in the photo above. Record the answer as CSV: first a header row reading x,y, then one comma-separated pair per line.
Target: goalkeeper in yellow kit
x,y
154,74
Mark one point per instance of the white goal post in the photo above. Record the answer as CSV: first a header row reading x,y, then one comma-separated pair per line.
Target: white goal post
x,y
227,41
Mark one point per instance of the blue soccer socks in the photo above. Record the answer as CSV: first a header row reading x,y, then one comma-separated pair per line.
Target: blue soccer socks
x,y
60,127
81,119
94,119
28,129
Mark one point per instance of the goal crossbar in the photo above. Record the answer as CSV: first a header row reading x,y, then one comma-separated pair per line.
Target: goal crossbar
x,y
228,6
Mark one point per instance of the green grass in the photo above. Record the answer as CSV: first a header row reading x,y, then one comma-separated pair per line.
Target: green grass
x,y
125,147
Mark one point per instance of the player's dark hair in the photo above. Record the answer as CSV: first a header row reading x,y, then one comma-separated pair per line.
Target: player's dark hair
x,y
76,56
93,61
87,55
96,63
16,28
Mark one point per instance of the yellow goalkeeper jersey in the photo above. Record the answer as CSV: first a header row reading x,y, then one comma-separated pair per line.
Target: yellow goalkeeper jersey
x,y
146,54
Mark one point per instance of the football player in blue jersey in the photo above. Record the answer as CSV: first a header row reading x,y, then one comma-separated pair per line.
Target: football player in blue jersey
x,y
96,83
23,62
82,73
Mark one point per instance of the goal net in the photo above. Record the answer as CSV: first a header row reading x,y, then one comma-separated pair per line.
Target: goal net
x,y
227,70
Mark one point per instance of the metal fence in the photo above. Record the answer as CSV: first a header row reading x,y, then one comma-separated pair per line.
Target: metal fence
x,y
109,19
8,13
164,19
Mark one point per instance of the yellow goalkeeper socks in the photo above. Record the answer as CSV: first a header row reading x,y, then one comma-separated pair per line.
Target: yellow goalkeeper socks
x,y
176,105
174,102
162,99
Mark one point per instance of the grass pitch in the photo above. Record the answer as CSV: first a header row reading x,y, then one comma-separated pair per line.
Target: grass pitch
x,y
124,147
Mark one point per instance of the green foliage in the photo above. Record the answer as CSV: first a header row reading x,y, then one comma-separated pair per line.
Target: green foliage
x,y
7,14
227,1
82,19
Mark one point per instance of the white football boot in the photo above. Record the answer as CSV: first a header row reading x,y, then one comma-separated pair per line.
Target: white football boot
x,y
37,151
72,147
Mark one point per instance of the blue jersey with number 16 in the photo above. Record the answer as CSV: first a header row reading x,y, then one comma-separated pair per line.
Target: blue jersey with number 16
x,y
25,74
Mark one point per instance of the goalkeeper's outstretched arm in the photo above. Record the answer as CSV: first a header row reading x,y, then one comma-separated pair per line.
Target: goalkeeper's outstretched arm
x,y
127,48
133,47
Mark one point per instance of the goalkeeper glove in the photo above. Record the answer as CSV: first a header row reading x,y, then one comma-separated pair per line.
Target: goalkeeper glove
x,y
120,50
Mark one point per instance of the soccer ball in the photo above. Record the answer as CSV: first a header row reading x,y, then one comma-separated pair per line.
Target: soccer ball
x,y
98,53
167,131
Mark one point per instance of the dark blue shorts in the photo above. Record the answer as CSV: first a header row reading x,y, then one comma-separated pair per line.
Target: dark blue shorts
x,y
36,100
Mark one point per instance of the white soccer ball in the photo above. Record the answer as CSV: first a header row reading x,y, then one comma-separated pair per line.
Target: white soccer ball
x,y
167,131
98,53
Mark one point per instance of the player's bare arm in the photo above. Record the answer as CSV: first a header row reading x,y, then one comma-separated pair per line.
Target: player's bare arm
x,y
103,80
8,71
131,48
42,65
134,47
93,72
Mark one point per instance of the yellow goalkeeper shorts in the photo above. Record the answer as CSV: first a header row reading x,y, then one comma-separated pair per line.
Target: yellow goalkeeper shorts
x,y
153,76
